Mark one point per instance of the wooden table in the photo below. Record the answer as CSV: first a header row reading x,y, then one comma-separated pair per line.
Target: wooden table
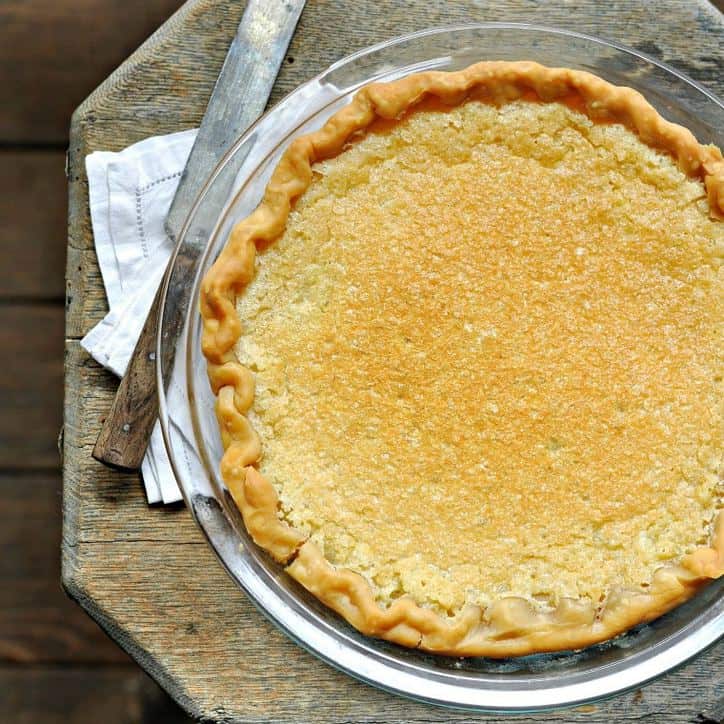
x,y
146,574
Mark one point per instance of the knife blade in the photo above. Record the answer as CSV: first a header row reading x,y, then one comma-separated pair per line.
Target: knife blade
x,y
237,100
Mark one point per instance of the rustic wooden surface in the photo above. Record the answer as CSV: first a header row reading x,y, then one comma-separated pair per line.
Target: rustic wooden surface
x,y
146,574
56,664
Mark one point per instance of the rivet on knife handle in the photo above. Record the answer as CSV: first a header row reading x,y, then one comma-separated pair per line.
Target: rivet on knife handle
x,y
127,428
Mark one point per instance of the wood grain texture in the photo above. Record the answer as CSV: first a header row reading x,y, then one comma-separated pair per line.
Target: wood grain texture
x,y
52,52
145,573
112,695
33,209
38,623
31,389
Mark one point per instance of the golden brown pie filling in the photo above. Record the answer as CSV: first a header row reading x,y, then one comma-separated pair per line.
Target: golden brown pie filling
x,y
488,351
488,356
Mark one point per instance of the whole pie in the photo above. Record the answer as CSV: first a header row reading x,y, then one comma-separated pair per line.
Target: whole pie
x,y
468,356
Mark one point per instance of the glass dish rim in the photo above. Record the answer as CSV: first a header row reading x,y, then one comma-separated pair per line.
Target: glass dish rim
x,y
646,673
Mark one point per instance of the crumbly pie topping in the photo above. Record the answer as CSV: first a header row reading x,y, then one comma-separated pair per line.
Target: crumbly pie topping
x,y
513,390
485,330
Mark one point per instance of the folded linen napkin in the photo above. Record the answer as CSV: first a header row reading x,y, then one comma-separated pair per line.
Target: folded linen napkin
x,y
130,193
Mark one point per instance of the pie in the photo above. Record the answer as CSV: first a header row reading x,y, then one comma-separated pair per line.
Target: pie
x,y
468,357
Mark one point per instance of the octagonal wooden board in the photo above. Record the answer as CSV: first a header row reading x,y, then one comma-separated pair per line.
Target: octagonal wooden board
x,y
146,574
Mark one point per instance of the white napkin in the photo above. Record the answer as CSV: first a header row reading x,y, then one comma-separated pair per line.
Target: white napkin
x,y
130,193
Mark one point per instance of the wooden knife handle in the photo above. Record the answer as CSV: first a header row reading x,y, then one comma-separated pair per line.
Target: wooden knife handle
x,y
127,428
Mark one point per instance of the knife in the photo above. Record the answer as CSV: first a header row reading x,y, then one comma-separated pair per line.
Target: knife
x,y
238,99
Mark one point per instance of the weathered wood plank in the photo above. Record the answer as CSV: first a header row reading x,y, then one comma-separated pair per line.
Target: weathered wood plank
x,y
113,695
145,574
38,623
53,52
33,210
85,297
31,385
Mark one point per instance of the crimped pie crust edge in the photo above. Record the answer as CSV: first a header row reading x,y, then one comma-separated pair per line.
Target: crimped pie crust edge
x,y
510,626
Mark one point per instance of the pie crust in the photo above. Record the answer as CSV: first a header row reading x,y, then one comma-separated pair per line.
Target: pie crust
x,y
508,626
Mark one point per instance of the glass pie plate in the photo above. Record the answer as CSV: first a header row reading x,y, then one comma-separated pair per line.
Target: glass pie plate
x,y
194,445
